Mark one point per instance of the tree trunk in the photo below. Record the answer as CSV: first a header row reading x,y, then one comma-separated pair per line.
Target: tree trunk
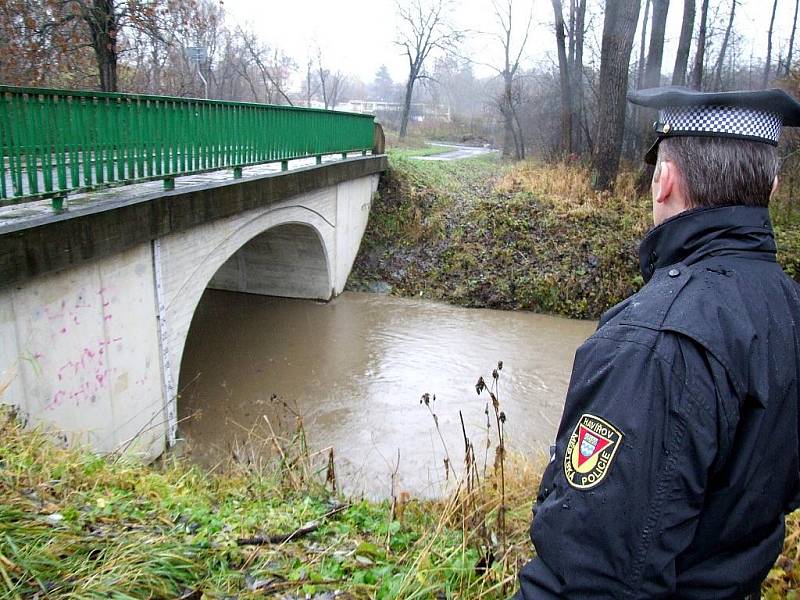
x,y
509,137
407,106
564,80
308,84
510,140
767,67
684,44
652,71
577,76
521,146
790,53
700,55
322,83
619,27
102,22
724,48
638,116
655,54
642,42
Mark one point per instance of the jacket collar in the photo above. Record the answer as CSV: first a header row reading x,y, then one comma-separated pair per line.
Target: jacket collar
x,y
699,233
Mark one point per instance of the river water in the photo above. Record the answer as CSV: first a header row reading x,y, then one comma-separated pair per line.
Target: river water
x,y
355,369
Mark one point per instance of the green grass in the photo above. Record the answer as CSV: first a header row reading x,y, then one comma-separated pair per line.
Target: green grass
x,y
75,525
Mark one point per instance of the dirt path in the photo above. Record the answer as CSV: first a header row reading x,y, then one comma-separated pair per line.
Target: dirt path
x,y
457,153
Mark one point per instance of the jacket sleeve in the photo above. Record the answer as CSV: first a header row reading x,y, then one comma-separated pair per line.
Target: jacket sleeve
x,y
620,498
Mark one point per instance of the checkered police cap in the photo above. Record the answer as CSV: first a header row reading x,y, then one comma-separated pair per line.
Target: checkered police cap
x,y
757,116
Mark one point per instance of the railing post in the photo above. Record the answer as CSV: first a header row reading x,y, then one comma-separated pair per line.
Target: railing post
x,y
169,183
319,159
237,172
57,202
344,154
284,165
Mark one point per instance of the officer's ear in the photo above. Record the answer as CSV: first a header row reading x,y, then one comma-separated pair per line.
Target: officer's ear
x,y
664,181
774,187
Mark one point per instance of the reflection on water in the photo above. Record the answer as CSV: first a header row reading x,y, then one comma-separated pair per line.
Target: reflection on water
x,y
356,367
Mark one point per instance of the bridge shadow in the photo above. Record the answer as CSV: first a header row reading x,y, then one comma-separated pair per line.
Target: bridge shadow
x,y
289,260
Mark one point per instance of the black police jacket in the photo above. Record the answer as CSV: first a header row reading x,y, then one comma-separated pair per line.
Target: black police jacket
x,y
677,455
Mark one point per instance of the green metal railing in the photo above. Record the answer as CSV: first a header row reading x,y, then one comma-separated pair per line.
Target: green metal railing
x,y
56,142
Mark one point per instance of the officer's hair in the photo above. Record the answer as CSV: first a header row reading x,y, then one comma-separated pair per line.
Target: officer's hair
x,y
722,171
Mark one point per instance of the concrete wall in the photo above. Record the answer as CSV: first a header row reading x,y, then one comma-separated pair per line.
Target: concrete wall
x,y
80,350
94,351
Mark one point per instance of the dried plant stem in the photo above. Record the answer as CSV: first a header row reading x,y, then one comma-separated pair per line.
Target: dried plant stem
x,y
393,509
428,400
279,448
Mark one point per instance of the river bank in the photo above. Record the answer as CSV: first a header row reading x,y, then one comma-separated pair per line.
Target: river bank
x,y
486,233
75,525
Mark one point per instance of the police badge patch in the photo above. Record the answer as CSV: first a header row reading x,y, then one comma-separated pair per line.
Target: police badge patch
x,y
590,451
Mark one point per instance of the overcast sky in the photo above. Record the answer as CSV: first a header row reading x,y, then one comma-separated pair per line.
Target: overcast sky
x,y
356,36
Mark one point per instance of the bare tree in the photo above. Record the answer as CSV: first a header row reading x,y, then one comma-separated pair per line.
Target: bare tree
x,y
790,52
331,84
106,21
424,29
768,65
651,77
564,79
642,42
655,53
619,27
700,54
65,32
160,64
577,30
684,43
723,49
103,21
271,65
311,86
510,99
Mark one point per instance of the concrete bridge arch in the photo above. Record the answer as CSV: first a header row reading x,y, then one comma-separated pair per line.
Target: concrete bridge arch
x,y
303,247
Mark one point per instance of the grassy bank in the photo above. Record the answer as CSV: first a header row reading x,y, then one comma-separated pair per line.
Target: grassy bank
x,y
74,525
484,233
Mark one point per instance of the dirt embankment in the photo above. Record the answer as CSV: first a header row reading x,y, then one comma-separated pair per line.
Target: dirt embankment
x,y
528,236
486,234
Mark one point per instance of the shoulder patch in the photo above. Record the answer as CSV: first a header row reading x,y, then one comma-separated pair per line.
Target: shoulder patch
x,y
591,450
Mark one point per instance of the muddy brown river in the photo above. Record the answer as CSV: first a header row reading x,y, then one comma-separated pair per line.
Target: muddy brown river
x,y
355,369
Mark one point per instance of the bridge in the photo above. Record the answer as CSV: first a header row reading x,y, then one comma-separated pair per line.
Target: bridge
x,y
117,212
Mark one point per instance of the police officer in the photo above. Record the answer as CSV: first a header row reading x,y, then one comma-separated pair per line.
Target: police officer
x,y
676,459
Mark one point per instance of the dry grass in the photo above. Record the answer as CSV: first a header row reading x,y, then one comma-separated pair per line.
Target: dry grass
x,y
566,187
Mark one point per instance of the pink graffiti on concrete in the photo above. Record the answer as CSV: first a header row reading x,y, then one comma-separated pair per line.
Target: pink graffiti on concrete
x,y
84,376
69,314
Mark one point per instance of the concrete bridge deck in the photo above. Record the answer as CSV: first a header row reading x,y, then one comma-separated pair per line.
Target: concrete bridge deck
x,y
20,215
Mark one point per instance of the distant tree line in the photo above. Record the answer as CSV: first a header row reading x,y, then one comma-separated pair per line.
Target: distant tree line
x,y
571,106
